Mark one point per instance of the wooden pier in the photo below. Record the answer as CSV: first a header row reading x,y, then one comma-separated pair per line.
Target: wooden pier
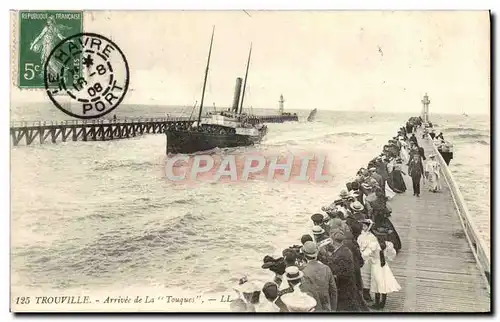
x,y
443,265
94,130
105,130
287,117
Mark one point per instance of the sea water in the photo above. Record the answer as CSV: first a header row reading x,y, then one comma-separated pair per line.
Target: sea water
x,y
102,215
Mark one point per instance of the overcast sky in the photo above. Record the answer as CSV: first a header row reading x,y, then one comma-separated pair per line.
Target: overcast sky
x,y
378,61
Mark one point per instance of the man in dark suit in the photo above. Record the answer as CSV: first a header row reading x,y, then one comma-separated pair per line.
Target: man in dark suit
x,y
416,171
342,266
351,243
416,149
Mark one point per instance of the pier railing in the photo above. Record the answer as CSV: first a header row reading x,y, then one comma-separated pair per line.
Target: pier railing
x,y
476,243
99,121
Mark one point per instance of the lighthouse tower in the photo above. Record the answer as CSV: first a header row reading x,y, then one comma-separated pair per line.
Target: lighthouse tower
x,y
281,105
425,109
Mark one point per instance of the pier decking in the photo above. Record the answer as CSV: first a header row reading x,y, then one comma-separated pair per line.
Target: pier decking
x,y
436,268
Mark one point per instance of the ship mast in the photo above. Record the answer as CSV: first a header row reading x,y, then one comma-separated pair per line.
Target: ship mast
x,y
245,82
206,74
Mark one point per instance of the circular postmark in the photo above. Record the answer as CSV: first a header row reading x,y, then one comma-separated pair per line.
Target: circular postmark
x,y
86,75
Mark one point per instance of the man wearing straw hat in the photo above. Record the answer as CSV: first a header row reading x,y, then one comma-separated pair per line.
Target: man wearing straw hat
x,y
298,284
321,277
299,302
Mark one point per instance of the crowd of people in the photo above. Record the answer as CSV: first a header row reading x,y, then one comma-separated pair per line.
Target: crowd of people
x,y
444,147
344,264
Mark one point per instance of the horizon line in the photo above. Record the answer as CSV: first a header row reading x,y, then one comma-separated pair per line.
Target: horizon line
x,y
223,108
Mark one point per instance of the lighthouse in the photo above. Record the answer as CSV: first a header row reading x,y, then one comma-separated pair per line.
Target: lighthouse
x,y
425,109
281,105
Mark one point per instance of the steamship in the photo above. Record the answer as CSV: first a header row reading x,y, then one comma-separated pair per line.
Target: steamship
x,y
227,129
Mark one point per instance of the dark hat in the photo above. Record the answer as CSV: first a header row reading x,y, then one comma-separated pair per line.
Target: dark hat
x,y
306,238
317,218
339,214
268,262
289,255
270,290
331,214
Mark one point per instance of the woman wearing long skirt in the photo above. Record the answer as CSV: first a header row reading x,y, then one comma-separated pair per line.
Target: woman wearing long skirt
x,y
367,245
392,234
432,172
383,281
389,193
398,183
404,154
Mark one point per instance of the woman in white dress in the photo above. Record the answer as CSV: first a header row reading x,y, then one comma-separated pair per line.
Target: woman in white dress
x,y
404,154
383,281
432,172
367,245
389,193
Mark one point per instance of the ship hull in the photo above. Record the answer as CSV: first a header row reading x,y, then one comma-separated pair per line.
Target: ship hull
x,y
186,142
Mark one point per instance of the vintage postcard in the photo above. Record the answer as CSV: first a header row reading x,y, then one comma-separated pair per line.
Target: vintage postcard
x,y
250,161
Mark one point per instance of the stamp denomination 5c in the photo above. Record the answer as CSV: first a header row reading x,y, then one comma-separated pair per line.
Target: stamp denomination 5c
x,y
39,33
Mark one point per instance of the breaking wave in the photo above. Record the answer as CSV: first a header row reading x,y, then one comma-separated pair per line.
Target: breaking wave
x,y
130,164
472,136
483,142
355,134
458,129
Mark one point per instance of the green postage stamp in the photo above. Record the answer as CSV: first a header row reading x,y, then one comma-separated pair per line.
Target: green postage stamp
x,y
39,33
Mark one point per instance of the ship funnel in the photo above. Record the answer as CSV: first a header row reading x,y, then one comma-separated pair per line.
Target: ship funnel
x,y
237,92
